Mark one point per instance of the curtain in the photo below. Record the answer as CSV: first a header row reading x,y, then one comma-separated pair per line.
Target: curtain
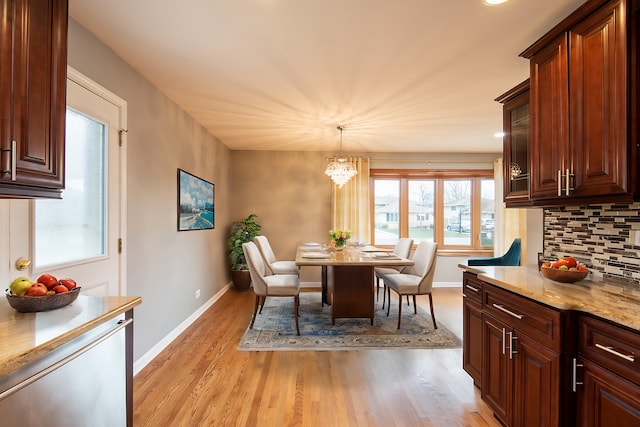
x,y
350,204
514,221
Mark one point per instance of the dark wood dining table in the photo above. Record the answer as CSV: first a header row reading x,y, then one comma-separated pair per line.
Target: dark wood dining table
x,y
348,277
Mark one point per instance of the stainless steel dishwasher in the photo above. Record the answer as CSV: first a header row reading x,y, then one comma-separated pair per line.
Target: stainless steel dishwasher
x,y
81,383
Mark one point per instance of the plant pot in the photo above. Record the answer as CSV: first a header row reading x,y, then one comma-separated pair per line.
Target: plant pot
x,y
241,280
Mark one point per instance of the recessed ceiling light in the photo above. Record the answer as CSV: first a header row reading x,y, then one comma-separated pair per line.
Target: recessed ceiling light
x,y
499,134
494,2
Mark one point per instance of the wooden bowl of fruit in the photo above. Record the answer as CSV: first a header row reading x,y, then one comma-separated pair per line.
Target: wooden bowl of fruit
x,y
46,293
565,270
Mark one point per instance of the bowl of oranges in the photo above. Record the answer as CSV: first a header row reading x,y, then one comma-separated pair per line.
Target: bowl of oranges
x,y
565,270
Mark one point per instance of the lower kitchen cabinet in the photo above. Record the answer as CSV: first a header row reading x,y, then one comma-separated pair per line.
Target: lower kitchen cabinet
x,y
542,366
497,369
606,399
609,390
521,379
472,327
521,354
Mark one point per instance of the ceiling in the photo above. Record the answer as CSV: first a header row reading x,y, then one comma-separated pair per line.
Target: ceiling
x,y
399,75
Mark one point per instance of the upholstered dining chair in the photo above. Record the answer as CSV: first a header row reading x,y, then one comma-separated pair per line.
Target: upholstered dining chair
x,y
274,266
416,279
402,249
270,285
511,257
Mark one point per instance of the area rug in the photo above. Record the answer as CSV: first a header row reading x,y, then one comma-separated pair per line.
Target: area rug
x,y
275,329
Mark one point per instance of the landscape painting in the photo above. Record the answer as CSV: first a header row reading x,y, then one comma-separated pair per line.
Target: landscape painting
x,y
195,202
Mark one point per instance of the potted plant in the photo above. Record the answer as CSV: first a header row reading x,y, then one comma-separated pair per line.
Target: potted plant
x,y
241,232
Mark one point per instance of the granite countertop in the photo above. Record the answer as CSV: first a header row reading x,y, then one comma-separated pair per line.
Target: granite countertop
x,y
25,337
615,302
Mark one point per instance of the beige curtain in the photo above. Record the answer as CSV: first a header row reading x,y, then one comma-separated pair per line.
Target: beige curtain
x,y
514,221
350,204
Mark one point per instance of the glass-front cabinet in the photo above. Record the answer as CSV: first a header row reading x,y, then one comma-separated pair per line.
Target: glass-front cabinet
x,y
516,144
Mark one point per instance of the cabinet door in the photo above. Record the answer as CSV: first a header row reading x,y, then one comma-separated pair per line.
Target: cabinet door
x,y
549,95
598,103
606,399
38,86
537,384
472,339
496,368
516,144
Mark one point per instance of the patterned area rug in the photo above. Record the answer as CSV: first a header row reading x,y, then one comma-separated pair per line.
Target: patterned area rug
x,y
275,328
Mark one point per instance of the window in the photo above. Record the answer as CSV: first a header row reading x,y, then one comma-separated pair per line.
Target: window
x,y
454,208
78,219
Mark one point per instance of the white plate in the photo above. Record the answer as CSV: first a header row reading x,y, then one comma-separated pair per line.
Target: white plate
x,y
385,255
318,255
373,249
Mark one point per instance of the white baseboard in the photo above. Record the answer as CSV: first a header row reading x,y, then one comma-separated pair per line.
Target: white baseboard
x,y
447,284
146,358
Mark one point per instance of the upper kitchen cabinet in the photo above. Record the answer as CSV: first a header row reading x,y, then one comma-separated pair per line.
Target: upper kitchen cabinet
x,y
581,106
33,66
516,144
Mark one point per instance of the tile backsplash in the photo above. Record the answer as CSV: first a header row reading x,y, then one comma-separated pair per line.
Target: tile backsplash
x,y
600,236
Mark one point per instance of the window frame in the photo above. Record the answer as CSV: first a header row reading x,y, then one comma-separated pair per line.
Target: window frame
x,y
476,176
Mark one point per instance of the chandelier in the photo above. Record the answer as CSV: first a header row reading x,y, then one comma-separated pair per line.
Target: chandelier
x,y
339,169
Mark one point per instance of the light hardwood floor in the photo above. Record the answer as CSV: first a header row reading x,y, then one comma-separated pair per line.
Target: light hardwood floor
x,y
202,380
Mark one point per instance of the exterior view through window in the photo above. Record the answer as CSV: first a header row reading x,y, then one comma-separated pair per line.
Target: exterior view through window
x,y
456,209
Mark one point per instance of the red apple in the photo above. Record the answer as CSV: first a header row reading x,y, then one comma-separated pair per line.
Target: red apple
x,y
68,283
59,289
48,280
36,290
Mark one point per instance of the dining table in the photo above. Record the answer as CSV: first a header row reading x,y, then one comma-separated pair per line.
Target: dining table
x,y
348,276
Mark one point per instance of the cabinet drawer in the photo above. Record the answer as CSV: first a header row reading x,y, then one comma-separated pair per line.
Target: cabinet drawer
x,y
612,346
472,287
538,321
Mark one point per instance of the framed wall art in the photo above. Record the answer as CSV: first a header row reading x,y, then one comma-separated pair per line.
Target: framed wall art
x,y
195,202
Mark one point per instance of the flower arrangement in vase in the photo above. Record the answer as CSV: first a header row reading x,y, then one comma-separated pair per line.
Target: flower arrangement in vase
x,y
339,238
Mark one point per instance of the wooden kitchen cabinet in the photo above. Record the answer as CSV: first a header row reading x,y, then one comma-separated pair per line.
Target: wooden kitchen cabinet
x,y
609,390
579,106
522,356
515,112
472,327
33,64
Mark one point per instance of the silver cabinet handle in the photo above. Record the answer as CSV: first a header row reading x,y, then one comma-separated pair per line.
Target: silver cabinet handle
x,y
511,338
575,382
14,159
8,392
474,289
629,358
504,341
559,183
509,312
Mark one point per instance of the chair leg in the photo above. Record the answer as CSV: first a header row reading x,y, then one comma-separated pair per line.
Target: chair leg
x,y
262,300
388,289
384,294
255,311
377,289
433,316
408,303
295,305
415,307
400,309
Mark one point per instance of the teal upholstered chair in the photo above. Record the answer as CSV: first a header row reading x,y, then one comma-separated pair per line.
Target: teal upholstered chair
x,y
511,257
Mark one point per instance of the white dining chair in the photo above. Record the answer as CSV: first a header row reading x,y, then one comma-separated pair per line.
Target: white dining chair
x,y
416,279
266,285
402,249
272,264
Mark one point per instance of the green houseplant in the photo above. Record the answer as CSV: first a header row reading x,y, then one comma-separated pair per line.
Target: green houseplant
x,y
241,232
